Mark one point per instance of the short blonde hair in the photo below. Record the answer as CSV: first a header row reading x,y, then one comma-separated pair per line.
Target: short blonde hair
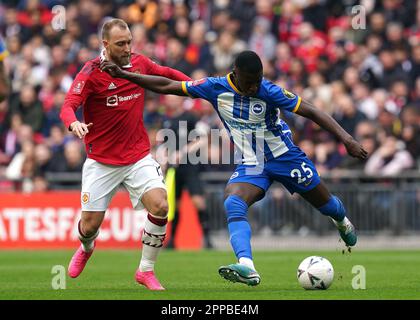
x,y
106,28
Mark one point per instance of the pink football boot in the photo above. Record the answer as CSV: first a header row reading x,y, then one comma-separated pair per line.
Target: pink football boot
x,y
78,262
149,280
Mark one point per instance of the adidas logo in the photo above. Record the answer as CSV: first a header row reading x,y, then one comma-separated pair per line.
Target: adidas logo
x,y
112,86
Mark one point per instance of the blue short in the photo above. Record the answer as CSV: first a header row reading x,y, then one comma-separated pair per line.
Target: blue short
x,y
293,169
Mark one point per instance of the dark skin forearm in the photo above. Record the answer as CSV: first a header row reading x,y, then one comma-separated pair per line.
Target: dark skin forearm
x,y
168,86
153,83
326,122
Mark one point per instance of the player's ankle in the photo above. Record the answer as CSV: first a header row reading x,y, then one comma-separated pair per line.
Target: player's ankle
x,y
88,247
146,265
247,262
342,222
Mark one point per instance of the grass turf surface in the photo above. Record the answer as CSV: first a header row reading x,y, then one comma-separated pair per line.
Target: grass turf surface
x,y
193,275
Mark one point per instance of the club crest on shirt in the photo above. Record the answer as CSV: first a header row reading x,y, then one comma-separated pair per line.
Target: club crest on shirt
x,y
288,94
257,108
78,87
85,197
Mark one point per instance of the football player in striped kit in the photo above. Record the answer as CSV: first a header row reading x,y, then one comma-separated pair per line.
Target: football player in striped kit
x,y
248,106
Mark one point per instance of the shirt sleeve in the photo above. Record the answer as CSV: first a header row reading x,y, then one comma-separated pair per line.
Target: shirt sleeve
x,y
75,97
282,99
199,88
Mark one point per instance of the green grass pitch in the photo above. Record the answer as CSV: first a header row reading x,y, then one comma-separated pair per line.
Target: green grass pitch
x,y
192,275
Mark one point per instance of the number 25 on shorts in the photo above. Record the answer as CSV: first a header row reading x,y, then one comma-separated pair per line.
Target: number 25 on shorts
x,y
302,173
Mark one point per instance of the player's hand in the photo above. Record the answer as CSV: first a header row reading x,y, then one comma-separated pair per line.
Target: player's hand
x,y
80,129
355,149
112,69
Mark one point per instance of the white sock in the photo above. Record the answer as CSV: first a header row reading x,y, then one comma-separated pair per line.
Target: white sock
x,y
87,243
87,246
342,222
247,262
153,236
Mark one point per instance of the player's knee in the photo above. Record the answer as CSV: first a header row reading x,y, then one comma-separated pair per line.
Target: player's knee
x,y
159,208
234,192
89,224
235,207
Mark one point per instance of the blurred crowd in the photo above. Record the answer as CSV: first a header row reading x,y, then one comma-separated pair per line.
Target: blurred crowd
x,y
357,60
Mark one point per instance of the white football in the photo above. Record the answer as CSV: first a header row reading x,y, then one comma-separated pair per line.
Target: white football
x,y
315,273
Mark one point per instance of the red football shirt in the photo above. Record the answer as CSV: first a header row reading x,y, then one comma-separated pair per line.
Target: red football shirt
x,y
115,107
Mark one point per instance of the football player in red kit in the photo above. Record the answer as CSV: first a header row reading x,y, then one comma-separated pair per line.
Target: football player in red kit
x,y
117,148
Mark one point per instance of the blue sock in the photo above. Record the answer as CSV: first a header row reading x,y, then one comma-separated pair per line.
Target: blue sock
x,y
238,225
334,208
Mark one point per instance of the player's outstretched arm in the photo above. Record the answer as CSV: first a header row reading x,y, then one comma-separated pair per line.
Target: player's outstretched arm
x,y
154,83
323,119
